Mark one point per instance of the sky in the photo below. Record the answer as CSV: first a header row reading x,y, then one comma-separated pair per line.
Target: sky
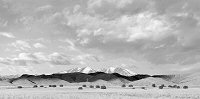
x,y
144,36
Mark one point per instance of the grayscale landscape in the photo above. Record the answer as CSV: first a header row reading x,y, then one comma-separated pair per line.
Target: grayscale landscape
x,y
99,49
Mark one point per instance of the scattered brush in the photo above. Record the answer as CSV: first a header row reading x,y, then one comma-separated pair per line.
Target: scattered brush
x,y
53,85
143,88
130,85
91,86
35,86
161,87
170,86
103,87
80,88
185,87
97,86
153,85
19,87
123,85
84,86
41,86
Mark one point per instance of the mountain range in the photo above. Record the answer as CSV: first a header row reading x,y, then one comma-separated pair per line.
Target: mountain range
x,y
110,70
116,76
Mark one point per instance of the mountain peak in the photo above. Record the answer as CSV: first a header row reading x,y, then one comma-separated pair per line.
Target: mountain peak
x,y
81,70
119,70
87,70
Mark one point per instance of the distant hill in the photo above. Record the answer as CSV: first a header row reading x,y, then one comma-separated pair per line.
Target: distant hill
x,y
150,80
192,79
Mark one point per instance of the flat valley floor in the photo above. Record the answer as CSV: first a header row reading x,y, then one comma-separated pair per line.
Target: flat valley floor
x,y
72,92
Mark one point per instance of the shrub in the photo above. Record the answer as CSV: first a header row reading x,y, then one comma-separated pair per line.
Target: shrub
x,y
35,86
53,85
170,86
178,87
19,87
175,86
123,85
50,85
97,86
84,85
91,86
161,87
130,85
142,87
80,88
153,85
61,85
103,87
185,87
133,88
41,86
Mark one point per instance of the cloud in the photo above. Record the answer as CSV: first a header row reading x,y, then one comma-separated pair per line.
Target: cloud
x,y
169,37
6,34
161,32
69,45
130,28
3,23
39,45
86,58
116,8
44,8
29,59
21,45
59,59
13,70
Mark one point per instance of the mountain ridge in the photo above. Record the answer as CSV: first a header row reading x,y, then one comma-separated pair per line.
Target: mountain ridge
x,y
109,70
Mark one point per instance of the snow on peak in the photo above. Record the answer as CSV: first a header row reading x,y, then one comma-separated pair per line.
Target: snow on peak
x,y
87,70
110,70
119,70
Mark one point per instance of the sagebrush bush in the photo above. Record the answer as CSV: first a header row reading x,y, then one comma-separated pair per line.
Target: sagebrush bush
x,y
143,88
41,86
35,86
161,87
175,86
84,85
170,86
97,86
123,85
130,85
185,87
19,87
91,86
61,85
53,85
153,85
80,88
103,87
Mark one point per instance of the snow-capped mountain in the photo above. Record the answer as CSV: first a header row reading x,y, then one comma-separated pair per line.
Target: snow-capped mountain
x,y
87,70
118,70
81,70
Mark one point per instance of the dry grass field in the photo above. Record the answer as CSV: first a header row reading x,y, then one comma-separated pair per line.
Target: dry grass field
x,y
71,92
